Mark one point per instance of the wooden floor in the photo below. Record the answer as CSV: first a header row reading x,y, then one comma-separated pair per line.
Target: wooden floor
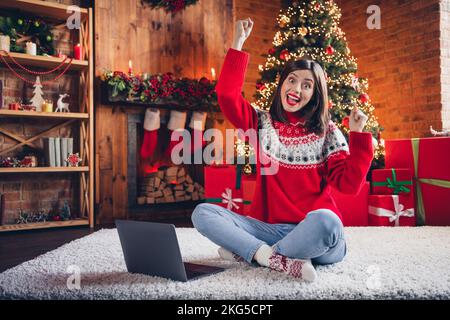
x,y
21,246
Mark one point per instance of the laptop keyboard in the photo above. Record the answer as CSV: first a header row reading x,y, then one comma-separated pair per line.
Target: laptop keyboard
x,y
194,270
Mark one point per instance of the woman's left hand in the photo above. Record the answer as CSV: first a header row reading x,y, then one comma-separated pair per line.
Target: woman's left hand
x,y
357,120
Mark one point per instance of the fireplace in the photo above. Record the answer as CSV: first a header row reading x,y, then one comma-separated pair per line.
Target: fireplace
x,y
157,189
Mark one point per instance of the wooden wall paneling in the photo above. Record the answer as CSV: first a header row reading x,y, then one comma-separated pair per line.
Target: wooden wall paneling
x,y
187,44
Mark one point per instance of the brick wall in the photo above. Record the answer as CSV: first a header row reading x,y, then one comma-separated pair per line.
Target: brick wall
x,y
32,192
264,14
445,63
401,61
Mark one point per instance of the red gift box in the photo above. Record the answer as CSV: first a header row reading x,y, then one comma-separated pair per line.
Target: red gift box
x,y
392,181
391,210
428,159
353,207
223,187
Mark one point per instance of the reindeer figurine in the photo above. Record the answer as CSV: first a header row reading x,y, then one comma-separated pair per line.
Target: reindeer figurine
x,y
62,106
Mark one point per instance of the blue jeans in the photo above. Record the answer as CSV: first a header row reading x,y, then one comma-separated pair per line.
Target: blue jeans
x,y
319,237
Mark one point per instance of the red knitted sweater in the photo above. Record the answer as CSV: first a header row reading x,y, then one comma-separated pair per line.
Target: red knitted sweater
x,y
307,164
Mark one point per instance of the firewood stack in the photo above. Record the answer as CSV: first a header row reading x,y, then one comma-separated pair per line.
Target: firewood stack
x,y
170,185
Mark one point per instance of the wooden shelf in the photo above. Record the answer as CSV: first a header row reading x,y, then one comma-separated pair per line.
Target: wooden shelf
x,y
42,8
42,225
31,114
44,169
44,61
57,14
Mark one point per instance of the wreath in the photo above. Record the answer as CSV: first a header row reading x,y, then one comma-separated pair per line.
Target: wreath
x,y
170,6
21,29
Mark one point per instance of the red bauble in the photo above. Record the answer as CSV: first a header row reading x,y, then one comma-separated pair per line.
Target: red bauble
x,y
260,86
272,51
346,122
364,98
284,55
56,218
329,50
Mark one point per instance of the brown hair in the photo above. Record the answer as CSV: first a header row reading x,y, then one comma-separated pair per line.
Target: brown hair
x,y
316,111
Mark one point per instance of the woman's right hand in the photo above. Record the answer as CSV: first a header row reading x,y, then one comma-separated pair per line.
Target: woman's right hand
x,y
242,32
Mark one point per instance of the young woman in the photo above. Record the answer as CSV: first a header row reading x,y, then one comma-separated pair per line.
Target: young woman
x,y
294,222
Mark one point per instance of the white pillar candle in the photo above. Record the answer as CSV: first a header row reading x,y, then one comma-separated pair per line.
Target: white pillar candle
x,y
31,48
5,43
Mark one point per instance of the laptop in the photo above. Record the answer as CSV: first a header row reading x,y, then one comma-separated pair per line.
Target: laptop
x,y
152,249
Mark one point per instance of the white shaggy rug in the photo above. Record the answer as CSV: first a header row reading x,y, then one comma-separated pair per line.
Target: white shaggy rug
x,y
382,263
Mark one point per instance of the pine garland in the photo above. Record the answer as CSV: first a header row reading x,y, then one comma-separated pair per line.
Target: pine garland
x,y
170,6
17,26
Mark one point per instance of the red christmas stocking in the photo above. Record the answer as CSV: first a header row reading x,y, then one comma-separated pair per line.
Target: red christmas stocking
x,y
151,126
197,126
176,124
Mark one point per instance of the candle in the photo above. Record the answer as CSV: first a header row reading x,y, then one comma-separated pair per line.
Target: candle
x,y
5,43
47,106
14,106
31,48
77,52
130,67
213,73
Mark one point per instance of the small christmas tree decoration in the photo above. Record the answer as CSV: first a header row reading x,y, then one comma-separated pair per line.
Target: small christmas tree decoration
x,y
38,99
73,160
65,211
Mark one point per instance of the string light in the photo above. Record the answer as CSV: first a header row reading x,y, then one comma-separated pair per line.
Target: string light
x,y
293,22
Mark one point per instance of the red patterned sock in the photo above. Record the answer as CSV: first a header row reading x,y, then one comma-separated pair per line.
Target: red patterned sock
x,y
297,268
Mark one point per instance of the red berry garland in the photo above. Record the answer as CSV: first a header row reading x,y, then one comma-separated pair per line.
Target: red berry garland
x,y
35,72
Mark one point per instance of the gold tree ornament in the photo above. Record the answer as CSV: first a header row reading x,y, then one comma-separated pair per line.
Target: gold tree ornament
x,y
283,22
303,31
247,169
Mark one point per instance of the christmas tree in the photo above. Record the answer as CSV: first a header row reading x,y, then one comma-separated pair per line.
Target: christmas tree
x,y
310,29
37,99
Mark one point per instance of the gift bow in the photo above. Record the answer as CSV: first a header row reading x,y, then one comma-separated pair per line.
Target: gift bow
x,y
393,215
228,198
398,186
